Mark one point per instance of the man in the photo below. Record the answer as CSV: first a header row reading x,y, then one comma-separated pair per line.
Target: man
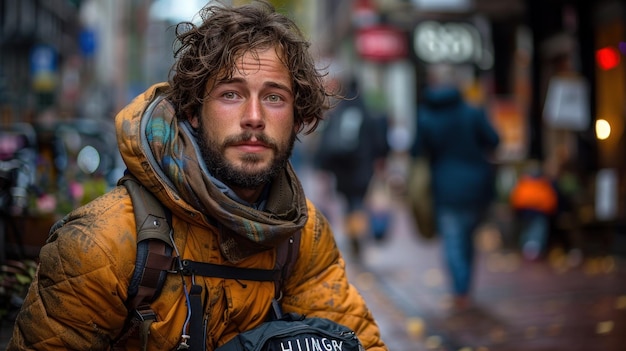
x,y
458,139
352,148
213,147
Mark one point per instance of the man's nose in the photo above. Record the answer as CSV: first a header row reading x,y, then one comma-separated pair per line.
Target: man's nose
x,y
254,117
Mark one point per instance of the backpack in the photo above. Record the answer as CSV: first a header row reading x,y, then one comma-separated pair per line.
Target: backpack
x,y
534,193
341,140
294,332
154,261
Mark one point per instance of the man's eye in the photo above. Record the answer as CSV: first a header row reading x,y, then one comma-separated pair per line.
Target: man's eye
x,y
229,95
274,98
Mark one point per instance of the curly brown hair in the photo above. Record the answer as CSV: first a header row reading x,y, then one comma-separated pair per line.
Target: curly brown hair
x,y
208,52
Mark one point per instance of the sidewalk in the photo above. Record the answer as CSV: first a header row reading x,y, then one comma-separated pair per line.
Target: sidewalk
x,y
519,305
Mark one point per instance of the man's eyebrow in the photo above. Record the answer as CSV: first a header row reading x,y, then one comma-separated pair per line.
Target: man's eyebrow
x,y
238,80
228,81
279,86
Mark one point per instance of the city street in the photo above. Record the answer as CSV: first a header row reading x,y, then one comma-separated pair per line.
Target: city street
x,y
493,94
550,305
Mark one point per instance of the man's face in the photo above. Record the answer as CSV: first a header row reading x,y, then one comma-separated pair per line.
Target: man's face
x,y
246,126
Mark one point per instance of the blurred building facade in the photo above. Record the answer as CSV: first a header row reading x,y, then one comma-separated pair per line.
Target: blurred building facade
x,y
551,73
520,58
36,40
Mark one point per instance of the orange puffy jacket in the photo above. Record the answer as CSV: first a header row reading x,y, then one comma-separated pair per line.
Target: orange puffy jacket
x,y
76,301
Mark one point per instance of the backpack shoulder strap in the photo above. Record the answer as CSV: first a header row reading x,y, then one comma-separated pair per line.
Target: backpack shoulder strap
x,y
153,261
154,249
286,257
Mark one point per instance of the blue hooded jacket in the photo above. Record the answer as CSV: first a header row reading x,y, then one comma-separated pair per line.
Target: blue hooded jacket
x,y
457,139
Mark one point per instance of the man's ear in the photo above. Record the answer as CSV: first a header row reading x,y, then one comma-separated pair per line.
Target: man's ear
x,y
194,121
297,127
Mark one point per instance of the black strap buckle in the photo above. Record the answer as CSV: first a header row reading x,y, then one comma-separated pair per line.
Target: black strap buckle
x,y
145,314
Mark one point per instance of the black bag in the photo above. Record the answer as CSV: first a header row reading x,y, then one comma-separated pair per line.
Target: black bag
x,y
294,332
341,139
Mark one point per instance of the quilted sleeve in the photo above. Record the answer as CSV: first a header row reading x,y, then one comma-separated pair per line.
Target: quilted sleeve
x,y
76,301
319,287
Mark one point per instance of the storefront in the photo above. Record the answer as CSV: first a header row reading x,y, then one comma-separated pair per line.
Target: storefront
x,y
578,110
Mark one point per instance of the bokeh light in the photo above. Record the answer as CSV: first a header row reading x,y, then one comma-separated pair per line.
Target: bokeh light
x,y
603,129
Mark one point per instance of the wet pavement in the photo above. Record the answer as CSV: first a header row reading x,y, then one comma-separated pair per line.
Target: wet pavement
x,y
549,305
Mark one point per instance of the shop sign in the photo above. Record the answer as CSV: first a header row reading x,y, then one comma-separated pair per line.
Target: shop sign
x,y
381,43
451,42
606,200
88,42
43,68
567,104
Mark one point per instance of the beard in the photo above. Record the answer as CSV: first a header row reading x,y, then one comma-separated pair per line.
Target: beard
x,y
244,176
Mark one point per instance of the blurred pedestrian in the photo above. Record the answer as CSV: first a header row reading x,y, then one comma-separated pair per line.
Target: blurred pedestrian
x,y
534,200
352,147
457,138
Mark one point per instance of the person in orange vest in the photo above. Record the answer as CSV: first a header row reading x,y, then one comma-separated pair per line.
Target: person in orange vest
x,y
535,200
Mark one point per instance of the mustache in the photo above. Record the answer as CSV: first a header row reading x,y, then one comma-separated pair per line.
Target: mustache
x,y
247,136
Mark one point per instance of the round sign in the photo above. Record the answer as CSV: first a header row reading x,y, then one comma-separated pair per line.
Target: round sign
x,y
450,42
